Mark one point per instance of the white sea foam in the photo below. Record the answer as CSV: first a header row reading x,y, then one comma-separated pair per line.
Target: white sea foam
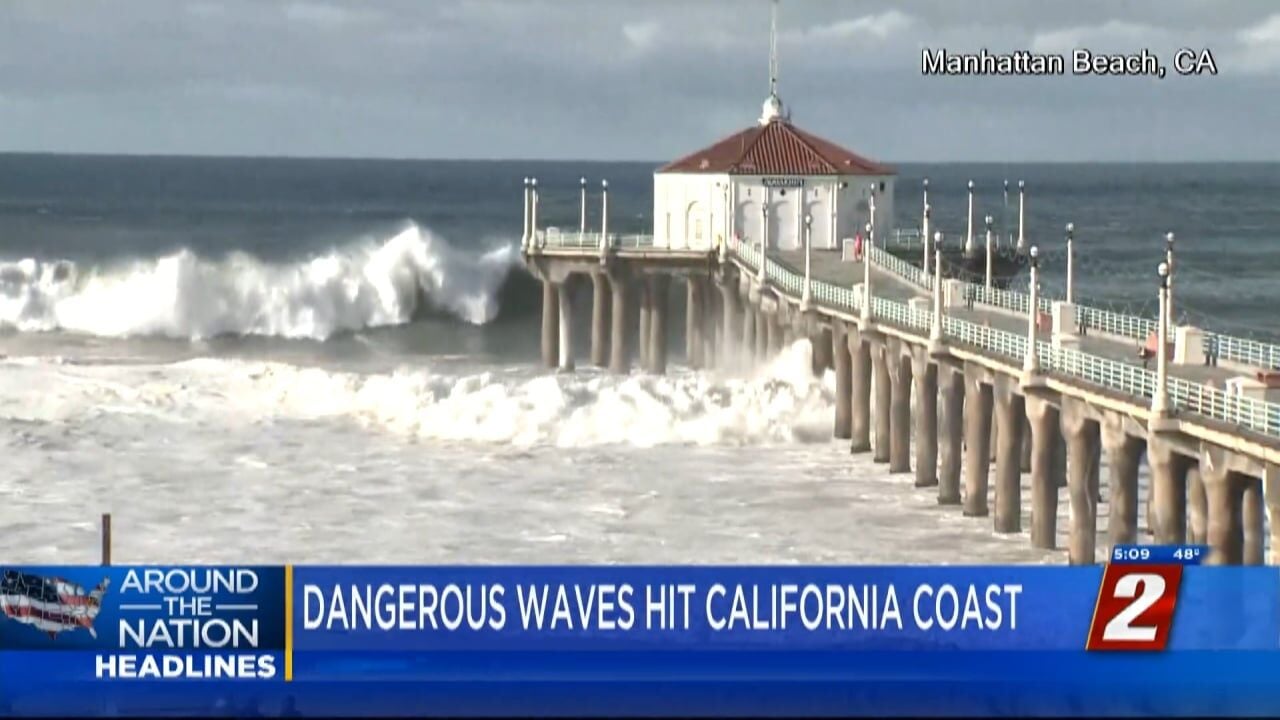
x,y
186,296
783,402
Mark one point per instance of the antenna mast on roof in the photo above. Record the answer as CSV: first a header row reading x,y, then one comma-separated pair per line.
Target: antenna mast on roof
x,y
773,48
773,104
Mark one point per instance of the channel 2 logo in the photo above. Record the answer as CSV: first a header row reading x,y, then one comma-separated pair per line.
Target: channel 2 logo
x,y
1135,607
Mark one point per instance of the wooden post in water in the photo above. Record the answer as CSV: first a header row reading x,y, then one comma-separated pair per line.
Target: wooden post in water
x,y
106,538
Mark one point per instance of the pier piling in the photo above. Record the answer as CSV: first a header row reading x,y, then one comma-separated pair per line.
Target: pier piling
x,y
1010,409
977,442
951,430
693,320
883,389
1253,515
658,324
1197,508
550,324
1083,446
1046,433
762,337
924,375
619,352
899,410
860,386
1168,491
565,292
844,381
1124,455
599,319
731,323
646,321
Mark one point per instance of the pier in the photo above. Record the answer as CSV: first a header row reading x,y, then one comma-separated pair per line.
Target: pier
x,y
1002,382
941,371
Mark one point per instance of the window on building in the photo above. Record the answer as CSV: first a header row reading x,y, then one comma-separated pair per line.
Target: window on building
x,y
668,228
697,229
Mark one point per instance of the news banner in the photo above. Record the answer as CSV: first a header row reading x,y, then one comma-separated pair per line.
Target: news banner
x,y
1150,632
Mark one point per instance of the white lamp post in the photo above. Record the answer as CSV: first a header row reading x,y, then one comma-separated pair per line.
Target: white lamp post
x,y
524,236
533,216
935,333
1022,197
805,296
866,278
925,236
1071,263
1160,399
582,218
989,239
604,215
871,210
924,225
968,237
1031,363
1004,217
1168,258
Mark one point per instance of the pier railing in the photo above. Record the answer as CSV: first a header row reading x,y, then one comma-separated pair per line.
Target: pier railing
x,y
553,237
1257,415
1245,351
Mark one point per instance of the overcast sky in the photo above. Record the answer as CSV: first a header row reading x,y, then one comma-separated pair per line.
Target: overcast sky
x,y
615,79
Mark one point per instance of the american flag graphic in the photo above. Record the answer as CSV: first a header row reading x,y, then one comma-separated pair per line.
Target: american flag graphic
x,y
53,605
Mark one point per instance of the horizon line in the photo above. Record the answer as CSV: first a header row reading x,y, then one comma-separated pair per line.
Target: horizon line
x,y
386,158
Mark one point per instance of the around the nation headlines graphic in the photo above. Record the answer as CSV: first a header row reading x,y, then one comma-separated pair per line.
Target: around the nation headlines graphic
x,y
557,640
147,622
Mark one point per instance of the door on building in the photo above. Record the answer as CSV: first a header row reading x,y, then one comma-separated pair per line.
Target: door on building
x,y
783,233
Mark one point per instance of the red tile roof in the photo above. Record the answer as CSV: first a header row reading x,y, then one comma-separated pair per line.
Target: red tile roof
x,y
778,148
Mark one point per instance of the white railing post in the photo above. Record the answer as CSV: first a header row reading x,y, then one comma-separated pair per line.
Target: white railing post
x,y
1160,398
1071,264
989,249
1031,362
604,215
805,297
524,236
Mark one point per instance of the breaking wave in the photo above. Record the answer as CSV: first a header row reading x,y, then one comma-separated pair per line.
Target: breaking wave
x,y
185,296
783,402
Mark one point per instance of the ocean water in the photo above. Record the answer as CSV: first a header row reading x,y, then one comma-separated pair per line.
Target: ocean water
x,y
336,361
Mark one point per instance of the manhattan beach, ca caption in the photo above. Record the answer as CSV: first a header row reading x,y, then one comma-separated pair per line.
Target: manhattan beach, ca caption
x,y
1081,61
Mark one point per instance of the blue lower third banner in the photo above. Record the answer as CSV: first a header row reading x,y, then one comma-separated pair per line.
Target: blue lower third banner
x,y
1141,635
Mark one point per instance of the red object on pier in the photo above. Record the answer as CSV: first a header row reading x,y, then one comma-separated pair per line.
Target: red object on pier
x,y
1269,378
1044,322
1153,342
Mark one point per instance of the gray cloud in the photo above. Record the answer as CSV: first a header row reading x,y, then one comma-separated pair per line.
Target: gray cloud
x,y
608,79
